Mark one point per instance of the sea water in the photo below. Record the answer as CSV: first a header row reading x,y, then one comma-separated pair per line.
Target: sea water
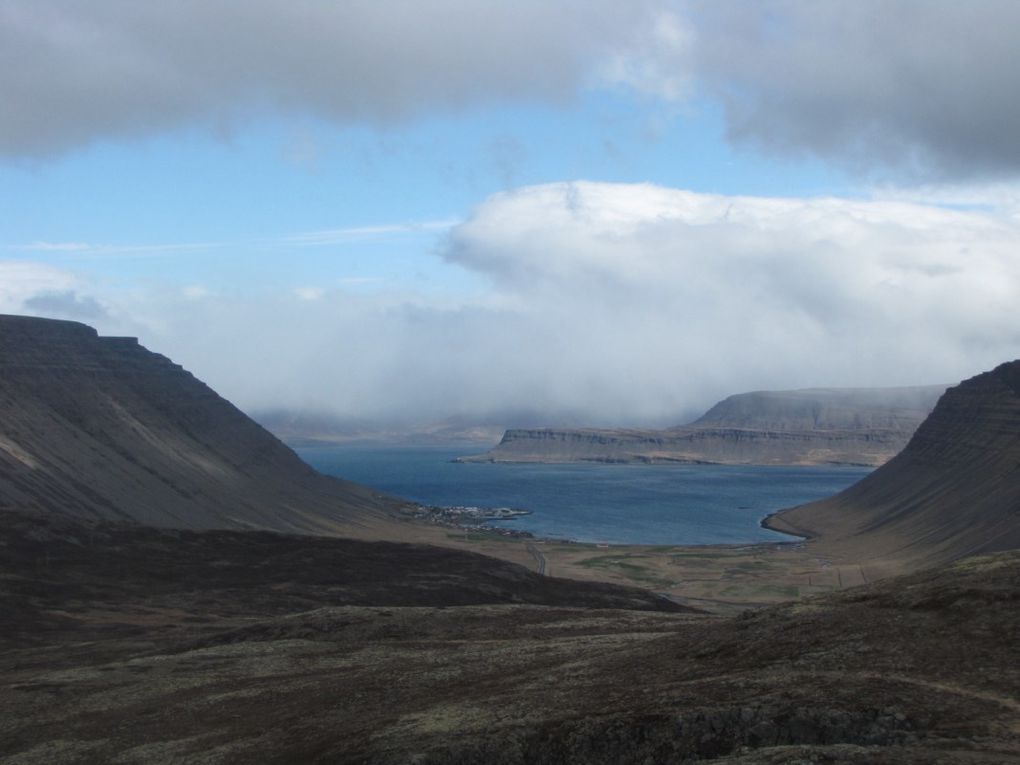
x,y
593,502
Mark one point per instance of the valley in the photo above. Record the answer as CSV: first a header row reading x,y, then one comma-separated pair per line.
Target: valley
x,y
255,609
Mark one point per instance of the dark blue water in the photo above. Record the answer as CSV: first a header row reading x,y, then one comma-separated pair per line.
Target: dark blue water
x,y
623,504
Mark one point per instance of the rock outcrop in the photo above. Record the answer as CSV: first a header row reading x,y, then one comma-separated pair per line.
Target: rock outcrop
x,y
101,428
953,491
802,427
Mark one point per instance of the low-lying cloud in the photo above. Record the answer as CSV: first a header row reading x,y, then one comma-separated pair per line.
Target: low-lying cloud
x,y
21,281
619,304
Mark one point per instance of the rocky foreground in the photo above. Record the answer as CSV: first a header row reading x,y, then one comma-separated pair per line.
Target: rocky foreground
x,y
803,427
128,645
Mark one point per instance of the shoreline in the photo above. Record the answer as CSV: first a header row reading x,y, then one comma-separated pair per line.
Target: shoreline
x,y
724,577
768,522
651,460
469,519
600,509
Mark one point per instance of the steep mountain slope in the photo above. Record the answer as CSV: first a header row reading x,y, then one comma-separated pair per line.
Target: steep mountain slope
x,y
802,427
953,491
99,427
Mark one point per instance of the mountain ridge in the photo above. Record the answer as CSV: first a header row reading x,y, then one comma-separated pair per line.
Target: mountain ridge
x,y
849,426
103,429
953,491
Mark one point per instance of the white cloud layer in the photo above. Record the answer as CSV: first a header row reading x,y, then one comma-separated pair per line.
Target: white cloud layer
x,y
659,295
623,304
23,280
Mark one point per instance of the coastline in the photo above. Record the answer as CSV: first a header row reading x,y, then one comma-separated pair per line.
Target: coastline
x,y
773,522
635,504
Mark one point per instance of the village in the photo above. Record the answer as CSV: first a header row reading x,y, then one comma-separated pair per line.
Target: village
x,y
469,518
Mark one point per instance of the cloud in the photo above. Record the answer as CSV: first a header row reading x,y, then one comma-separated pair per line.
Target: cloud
x,y
57,247
358,233
87,248
309,293
74,73
196,292
626,304
898,89
663,69
65,305
661,296
40,290
21,281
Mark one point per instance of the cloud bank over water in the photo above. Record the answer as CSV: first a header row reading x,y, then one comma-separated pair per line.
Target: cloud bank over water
x,y
618,303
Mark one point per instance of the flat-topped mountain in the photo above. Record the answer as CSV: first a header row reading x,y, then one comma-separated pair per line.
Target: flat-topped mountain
x,y
101,428
953,491
893,409
857,426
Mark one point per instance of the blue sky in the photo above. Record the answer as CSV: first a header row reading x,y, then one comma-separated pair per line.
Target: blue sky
x,y
313,203
518,212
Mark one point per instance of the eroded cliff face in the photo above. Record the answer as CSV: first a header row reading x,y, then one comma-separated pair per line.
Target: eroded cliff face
x,y
953,491
805,427
100,427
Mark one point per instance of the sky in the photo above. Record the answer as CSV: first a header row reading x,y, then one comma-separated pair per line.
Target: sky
x,y
530,212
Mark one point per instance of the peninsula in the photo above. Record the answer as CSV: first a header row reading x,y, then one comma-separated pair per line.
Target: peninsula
x,y
813,426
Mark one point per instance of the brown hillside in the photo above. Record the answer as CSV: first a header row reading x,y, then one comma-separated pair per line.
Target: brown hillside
x,y
101,428
953,491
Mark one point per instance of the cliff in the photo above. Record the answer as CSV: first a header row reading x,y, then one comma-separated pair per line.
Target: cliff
x,y
953,491
101,428
801,427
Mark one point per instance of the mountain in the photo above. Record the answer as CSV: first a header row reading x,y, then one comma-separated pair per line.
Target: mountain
x,y
830,409
858,426
241,644
953,491
101,428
